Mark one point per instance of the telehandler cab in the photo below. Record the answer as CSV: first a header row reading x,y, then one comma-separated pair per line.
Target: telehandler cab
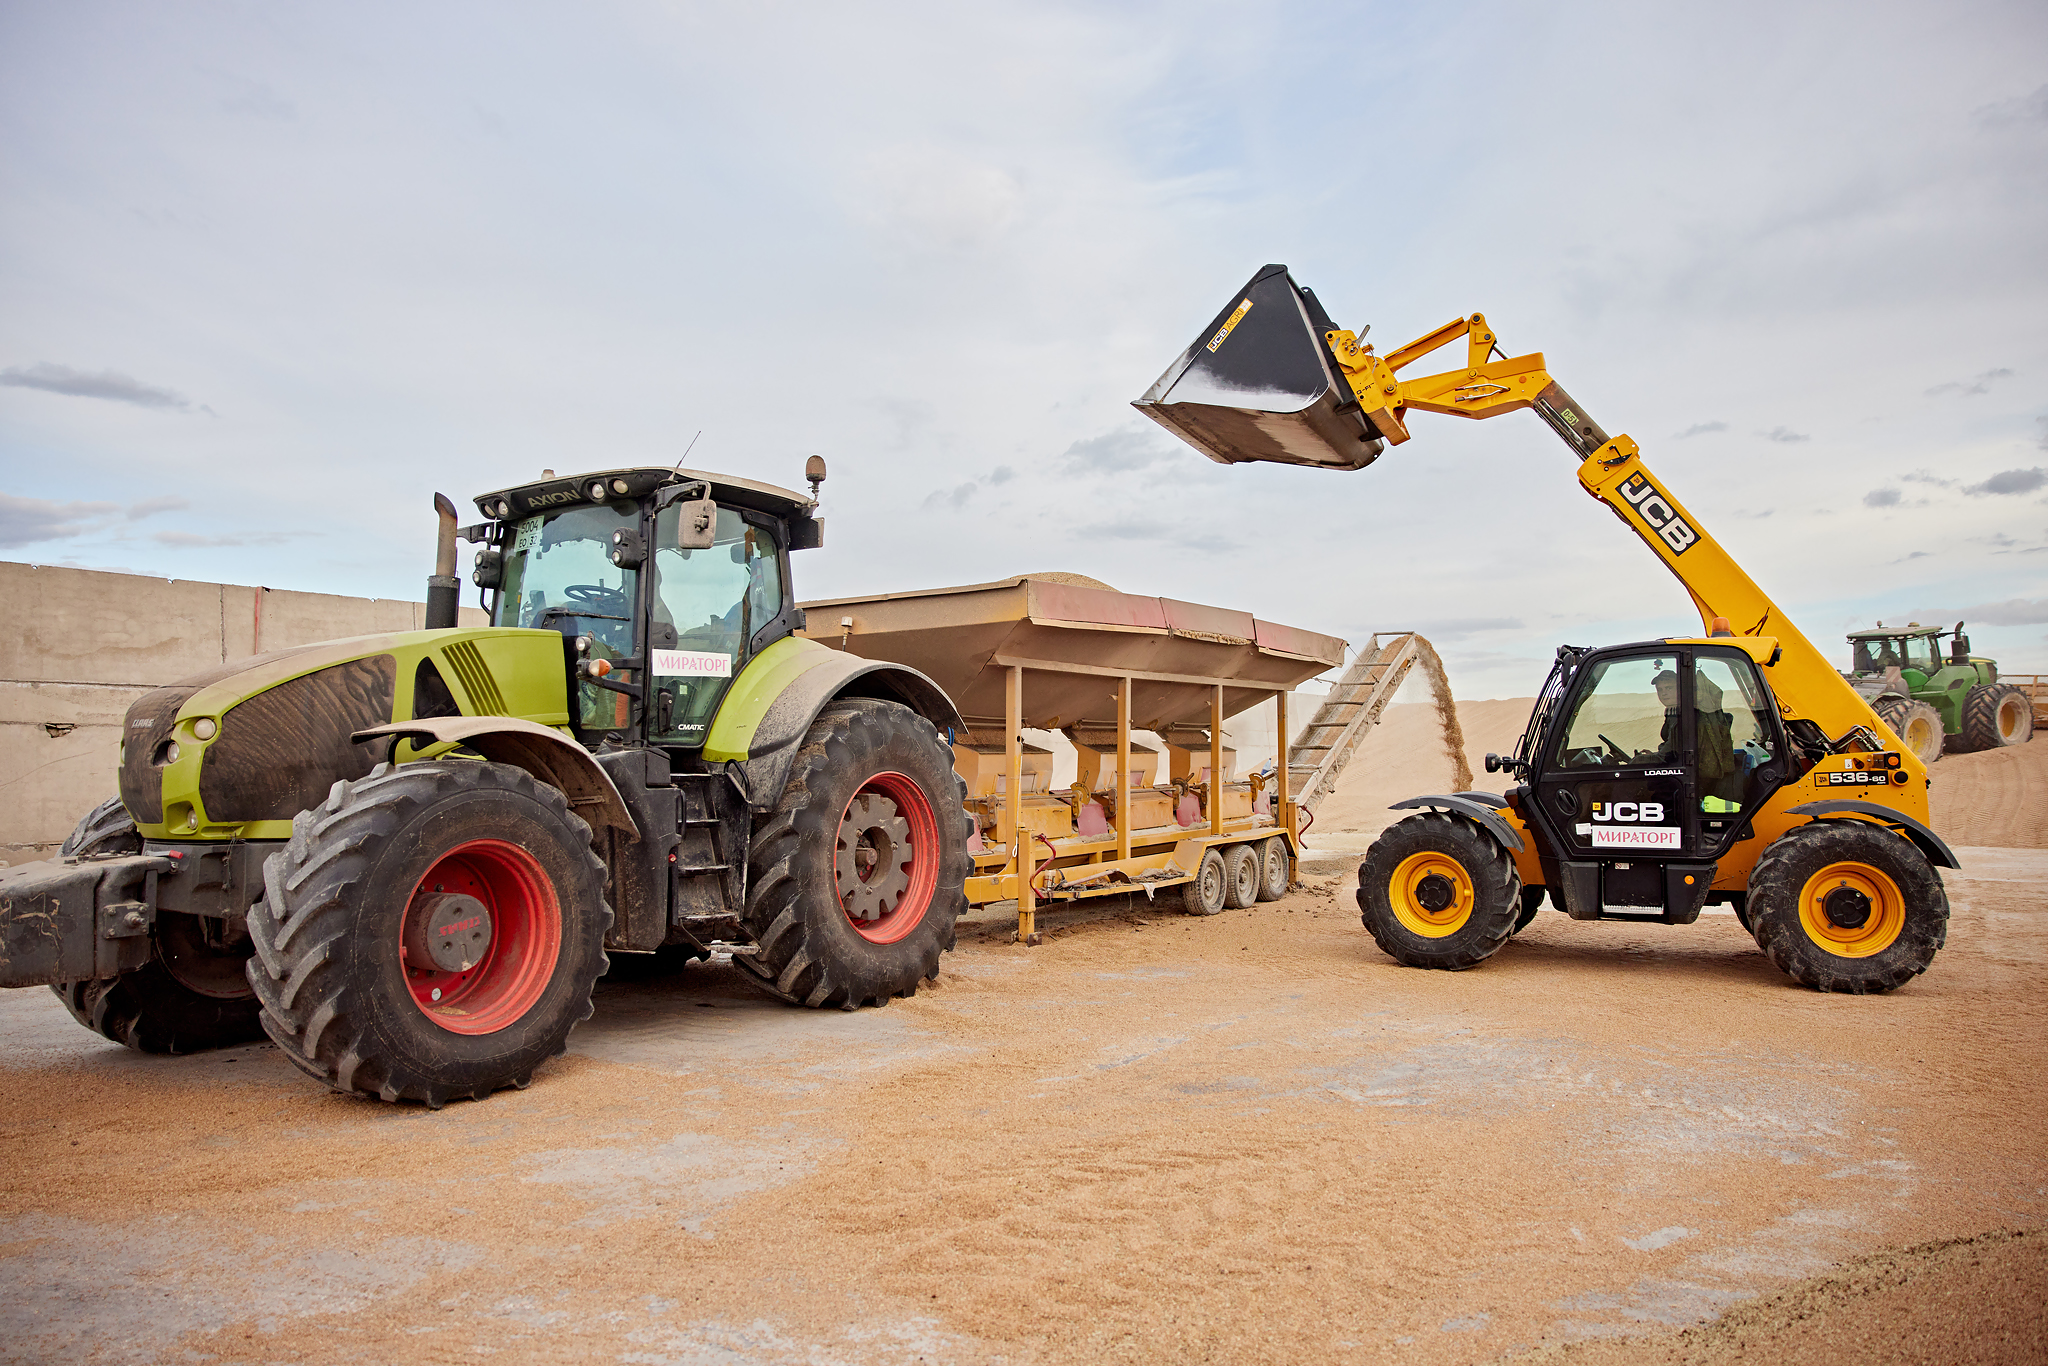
x,y
1736,766
405,856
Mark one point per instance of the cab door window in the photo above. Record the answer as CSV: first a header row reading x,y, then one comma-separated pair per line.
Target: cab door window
x,y
707,605
1735,737
1626,715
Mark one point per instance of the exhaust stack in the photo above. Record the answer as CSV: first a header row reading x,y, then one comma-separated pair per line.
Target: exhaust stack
x,y
1260,384
443,588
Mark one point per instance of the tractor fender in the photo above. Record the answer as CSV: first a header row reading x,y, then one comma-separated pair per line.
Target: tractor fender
x,y
1930,843
548,755
813,676
1468,804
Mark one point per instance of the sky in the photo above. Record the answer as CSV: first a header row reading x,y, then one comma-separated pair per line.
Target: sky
x,y
273,274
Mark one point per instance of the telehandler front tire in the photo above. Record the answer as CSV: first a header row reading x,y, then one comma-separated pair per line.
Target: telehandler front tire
x,y
855,881
1845,905
432,930
1436,891
191,995
1997,716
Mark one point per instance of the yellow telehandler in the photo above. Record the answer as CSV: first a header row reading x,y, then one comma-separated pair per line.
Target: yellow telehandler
x,y
1733,767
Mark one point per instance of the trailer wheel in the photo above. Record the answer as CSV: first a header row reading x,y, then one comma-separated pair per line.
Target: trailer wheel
x,y
1436,891
432,930
1997,716
1273,870
190,996
1241,876
855,880
1204,893
1844,905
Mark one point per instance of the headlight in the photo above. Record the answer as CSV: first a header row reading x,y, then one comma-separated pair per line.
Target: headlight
x,y
204,728
597,490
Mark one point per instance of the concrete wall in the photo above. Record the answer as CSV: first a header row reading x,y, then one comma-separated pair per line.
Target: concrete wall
x,y
87,644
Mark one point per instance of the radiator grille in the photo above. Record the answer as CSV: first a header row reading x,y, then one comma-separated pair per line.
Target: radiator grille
x,y
475,677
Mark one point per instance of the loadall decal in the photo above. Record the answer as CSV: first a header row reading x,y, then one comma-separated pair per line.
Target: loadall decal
x,y
1657,513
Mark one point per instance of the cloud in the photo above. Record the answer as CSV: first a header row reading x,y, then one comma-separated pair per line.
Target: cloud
x,y
1923,477
953,499
1701,429
25,521
1916,555
2012,612
1132,527
1784,434
1127,448
2010,481
2015,112
1881,498
936,198
1001,474
149,507
186,540
1458,628
108,384
1968,388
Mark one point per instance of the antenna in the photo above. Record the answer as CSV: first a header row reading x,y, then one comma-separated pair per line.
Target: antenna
x,y
691,447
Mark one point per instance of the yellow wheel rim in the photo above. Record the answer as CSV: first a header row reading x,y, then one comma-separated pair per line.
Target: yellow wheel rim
x,y
1919,735
1852,910
1431,894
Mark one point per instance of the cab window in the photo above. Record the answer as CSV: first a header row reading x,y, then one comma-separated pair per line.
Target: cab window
x,y
1733,736
1626,714
707,606
1920,654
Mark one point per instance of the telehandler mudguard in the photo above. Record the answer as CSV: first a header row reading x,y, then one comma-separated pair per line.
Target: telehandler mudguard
x,y
771,706
1930,844
1467,804
69,919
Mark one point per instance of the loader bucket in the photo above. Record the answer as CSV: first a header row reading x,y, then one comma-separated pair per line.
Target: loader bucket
x,y
1259,384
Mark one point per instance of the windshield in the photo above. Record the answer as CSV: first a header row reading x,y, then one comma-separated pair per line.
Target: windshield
x,y
559,576
1920,654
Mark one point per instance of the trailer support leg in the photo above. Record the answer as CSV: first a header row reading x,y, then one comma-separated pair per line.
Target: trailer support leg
x,y
1013,741
1123,768
1216,760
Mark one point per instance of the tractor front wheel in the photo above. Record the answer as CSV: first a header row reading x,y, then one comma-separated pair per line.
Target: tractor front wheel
x,y
1844,905
191,995
1436,891
431,931
855,880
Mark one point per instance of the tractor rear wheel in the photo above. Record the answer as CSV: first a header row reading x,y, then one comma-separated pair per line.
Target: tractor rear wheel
x,y
855,880
1436,891
432,930
192,995
1916,724
1997,716
1844,905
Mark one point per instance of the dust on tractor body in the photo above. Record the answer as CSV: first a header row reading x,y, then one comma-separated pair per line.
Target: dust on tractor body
x,y
1654,778
1934,700
406,857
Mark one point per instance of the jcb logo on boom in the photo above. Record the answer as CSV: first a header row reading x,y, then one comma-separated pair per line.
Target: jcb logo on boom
x,y
1629,811
1656,510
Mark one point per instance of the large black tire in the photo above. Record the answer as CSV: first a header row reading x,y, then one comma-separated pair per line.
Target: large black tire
x,y
871,829
1437,891
191,995
1996,716
1844,905
351,966
1916,725
1532,902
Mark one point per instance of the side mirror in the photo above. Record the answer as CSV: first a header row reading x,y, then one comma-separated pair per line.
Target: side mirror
x,y
490,568
1493,763
696,524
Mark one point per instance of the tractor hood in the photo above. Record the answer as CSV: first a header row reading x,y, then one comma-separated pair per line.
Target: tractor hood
x,y
237,751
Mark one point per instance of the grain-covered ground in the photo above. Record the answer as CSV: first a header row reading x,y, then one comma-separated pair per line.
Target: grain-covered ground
x,y
1246,1138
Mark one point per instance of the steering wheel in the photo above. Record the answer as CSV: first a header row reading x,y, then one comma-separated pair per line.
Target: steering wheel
x,y
596,594
1616,750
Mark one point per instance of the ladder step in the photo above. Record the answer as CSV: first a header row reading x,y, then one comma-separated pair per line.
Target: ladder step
x,y
702,868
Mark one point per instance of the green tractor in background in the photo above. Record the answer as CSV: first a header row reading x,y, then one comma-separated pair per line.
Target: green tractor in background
x,y
1933,702
405,857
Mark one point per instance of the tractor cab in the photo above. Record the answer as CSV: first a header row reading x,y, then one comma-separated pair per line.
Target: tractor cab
x,y
1916,649
663,583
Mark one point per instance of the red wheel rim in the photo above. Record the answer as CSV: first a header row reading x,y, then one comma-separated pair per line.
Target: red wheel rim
x,y
886,858
525,920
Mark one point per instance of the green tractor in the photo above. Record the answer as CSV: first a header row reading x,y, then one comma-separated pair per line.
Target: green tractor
x,y
406,857
1932,702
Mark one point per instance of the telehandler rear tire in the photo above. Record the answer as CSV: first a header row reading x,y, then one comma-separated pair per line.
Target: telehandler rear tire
x,y
432,930
1845,905
855,881
1436,891
1916,724
191,996
1997,716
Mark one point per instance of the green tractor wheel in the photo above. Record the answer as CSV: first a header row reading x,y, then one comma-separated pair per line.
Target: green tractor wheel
x,y
1916,724
1996,716
191,995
